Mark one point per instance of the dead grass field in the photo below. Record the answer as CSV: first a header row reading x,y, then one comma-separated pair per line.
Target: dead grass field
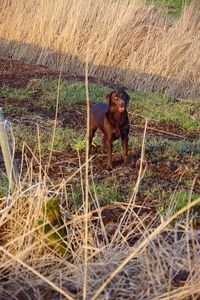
x,y
71,230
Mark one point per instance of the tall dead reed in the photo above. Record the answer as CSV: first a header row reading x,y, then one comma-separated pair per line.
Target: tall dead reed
x,y
129,42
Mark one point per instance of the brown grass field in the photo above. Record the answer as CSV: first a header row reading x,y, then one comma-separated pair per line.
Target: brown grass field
x,y
127,42
50,246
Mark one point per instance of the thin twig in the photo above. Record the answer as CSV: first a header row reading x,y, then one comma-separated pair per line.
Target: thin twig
x,y
193,101
162,131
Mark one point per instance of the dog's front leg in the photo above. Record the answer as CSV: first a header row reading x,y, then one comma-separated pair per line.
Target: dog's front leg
x,y
109,156
125,148
104,145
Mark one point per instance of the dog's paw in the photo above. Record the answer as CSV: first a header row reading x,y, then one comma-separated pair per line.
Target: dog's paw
x,y
109,167
125,159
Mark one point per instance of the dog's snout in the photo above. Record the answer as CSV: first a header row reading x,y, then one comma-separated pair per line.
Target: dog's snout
x,y
121,106
122,103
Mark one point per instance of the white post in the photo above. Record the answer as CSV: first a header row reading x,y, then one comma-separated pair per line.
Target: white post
x,y
8,154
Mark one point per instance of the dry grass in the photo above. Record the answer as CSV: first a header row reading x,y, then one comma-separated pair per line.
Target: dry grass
x,y
128,42
153,268
78,257
44,256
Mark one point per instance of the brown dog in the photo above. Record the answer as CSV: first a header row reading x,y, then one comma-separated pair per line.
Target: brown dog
x,y
112,119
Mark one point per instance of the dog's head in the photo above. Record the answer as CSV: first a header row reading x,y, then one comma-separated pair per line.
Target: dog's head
x,y
118,100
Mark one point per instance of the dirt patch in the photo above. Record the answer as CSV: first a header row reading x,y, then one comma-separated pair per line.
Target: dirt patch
x,y
15,73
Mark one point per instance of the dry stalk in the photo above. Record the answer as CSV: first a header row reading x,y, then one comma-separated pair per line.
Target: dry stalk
x,y
131,203
86,204
55,120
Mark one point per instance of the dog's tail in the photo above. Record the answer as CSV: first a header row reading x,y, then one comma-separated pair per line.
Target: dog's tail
x,y
84,103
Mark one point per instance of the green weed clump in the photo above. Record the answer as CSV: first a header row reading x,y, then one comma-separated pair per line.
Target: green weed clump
x,y
172,8
53,227
177,201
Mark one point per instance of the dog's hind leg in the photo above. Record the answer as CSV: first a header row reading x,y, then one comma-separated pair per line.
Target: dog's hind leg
x,y
92,129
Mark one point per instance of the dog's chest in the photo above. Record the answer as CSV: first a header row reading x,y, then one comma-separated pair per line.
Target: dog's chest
x,y
117,127
115,133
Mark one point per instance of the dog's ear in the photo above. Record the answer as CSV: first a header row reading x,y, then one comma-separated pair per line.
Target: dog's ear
x,y
126,96
108,97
